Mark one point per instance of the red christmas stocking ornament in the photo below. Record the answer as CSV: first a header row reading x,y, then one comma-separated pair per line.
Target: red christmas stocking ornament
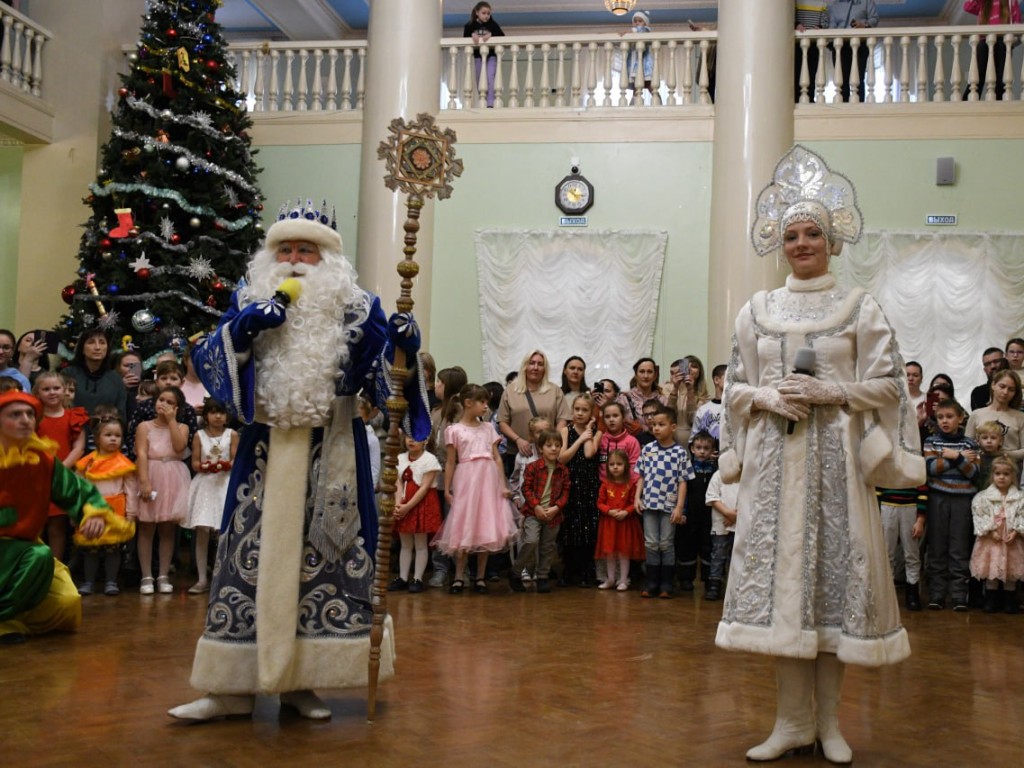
x,y
124,223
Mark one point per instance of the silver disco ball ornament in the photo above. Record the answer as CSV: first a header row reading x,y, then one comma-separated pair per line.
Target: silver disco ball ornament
x,y
143,321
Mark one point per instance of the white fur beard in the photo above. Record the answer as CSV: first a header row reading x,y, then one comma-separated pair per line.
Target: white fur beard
x,y
297,364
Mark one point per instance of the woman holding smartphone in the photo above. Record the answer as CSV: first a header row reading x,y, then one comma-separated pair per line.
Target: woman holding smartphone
x,y
31,354
128,365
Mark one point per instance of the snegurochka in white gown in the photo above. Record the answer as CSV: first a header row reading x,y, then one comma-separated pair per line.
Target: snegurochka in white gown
x,y
810,581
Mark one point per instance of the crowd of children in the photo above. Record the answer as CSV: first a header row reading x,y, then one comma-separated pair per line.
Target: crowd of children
x,y
957,539
606,497
597,500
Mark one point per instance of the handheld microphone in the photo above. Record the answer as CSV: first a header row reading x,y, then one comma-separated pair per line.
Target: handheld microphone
x,y
804,362
288,291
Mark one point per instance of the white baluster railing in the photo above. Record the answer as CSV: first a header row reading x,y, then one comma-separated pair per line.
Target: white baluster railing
x,y
921,64
302,76
580,71
587,71
21,51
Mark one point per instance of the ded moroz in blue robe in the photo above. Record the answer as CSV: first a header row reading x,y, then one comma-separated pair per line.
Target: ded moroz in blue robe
x,y
283,615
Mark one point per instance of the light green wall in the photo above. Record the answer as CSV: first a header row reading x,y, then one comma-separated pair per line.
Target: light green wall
x,y
10,215
316,172
640,186
896,187
645,185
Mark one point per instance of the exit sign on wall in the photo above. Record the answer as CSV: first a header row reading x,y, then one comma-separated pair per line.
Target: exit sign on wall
x,y
941,220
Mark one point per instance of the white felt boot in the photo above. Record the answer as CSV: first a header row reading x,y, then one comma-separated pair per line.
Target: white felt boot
x,y
213,707
307,704
794,715
828,679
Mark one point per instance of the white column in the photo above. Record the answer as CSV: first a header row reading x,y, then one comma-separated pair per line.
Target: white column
x,y
403,70
753,128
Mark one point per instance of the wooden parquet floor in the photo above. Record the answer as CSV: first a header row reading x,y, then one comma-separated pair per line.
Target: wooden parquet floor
x,y
575,678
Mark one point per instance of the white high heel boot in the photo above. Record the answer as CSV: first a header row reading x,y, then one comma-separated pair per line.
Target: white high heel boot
x,y
828,679
794,715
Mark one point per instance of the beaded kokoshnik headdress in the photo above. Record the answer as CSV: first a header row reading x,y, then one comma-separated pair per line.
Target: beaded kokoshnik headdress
x,y
804,188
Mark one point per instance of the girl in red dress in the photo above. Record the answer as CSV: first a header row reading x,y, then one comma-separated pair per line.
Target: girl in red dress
x,y
418,513
66,427
619,535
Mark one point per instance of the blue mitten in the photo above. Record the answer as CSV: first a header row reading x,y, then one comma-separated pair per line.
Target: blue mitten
x,y
405,335
253,319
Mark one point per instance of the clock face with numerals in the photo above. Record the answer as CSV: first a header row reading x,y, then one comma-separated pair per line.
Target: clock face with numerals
x,y
574,194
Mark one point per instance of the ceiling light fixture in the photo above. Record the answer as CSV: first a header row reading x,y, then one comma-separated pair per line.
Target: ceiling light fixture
x,y
620,7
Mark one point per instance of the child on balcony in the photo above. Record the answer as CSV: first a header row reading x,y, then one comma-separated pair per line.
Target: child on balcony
x,y
482,27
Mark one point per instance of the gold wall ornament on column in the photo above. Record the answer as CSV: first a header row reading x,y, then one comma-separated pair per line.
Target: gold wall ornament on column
x,y
420,160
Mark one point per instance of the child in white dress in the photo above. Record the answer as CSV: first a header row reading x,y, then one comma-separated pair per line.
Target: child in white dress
x,y
213,452
998,555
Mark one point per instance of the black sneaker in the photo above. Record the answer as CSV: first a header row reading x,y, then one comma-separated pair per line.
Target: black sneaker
x,y
960,605
416,586
936,604
543,586
686,585
398,584
515,583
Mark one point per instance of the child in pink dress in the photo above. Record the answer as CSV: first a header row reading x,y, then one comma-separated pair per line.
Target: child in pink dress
x,y
998,555
163,484
480,518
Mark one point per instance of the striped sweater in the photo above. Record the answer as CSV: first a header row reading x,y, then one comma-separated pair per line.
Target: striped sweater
x,y
950,475
904,497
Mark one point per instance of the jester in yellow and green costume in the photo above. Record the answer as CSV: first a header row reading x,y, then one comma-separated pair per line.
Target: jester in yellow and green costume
x,y
37,594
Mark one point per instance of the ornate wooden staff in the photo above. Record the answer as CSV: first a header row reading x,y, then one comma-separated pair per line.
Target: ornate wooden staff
x,y
420,162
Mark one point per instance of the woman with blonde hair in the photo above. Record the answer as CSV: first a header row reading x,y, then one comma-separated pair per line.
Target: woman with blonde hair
x,y
531,394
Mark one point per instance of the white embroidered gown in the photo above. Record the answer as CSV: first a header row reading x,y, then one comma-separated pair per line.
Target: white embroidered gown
x,y
809,570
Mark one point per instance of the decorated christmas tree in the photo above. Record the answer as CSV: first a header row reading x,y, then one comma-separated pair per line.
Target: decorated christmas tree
x,y
175,206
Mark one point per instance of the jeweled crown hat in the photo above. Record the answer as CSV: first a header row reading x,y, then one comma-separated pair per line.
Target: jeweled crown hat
x,y
804,188
305,222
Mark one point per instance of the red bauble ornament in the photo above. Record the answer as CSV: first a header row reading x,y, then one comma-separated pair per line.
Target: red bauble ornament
x,y
172,33
122,92
68,294
218,285
217,225
105,244
151,80
175,238
212,65
143,274
211,301
259,207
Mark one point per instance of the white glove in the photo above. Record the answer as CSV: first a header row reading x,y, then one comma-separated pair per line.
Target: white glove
x,y
792,407
814,391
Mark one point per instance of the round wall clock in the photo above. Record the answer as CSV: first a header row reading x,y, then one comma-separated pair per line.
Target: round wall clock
x,y
574,194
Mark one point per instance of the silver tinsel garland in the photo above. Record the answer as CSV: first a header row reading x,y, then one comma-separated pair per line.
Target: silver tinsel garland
x,y
179,151
105,190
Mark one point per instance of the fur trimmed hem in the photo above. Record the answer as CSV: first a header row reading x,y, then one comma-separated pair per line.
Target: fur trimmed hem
x,y
807,644
318,663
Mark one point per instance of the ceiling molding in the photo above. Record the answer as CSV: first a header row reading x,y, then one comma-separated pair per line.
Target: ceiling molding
x,y
304,19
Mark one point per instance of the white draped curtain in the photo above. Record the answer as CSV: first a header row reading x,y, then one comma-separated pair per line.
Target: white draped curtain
x,y
569,292
948,296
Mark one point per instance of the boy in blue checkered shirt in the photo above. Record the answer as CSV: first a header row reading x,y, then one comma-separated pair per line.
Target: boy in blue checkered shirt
x,y
663,469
